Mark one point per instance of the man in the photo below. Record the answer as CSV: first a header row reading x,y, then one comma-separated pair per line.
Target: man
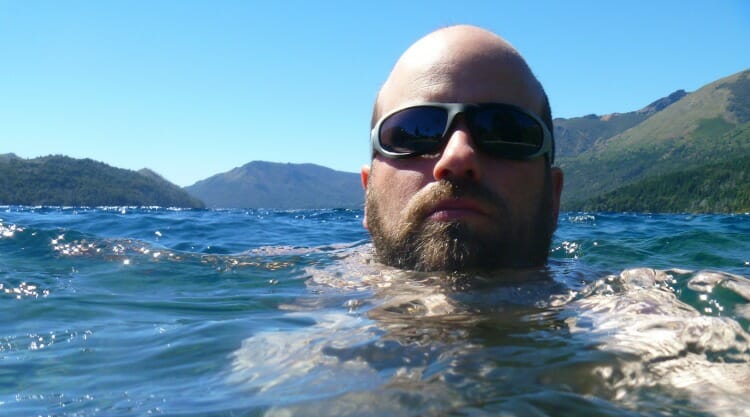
x,y
455,186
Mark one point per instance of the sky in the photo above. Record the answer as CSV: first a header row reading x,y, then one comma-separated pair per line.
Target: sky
x,y
191,89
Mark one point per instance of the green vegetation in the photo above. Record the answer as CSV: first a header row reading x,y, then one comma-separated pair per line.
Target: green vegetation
x,y
578,134
709,126
64,181
738,102
684,152
715,188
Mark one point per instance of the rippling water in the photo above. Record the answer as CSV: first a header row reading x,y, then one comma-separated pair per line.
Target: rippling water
x,y
124,311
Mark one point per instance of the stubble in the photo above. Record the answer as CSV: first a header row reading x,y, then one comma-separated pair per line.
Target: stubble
x,y
416,242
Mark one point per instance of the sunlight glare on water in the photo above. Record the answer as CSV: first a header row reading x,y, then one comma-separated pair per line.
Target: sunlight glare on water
x,y
148,311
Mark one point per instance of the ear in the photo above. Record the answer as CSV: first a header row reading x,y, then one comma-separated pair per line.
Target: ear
x,y
556,176
365,173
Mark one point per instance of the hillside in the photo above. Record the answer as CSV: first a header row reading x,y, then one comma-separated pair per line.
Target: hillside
x,y
64,181
280,186
722,187
683,152
578,134
703,127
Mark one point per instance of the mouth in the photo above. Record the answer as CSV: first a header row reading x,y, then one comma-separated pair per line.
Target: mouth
x,y
457,209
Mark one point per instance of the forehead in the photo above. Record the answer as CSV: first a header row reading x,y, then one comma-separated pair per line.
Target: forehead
x,y
460,72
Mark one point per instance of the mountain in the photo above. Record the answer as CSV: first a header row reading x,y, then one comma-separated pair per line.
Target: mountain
x,y
64,181
575,135
683,152
261,184
708,126
719,187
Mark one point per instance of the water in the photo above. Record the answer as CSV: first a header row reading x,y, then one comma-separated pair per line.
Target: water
x,y
133,312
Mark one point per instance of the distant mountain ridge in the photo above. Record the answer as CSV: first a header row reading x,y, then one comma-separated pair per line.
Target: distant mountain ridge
x,y
575,135
683,152
662,103
63,181
708,126
271,185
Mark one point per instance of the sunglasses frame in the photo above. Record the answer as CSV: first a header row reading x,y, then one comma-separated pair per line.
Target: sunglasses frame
x,y
453,110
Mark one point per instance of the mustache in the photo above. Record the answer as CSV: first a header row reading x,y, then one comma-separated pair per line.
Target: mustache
x,y
432,195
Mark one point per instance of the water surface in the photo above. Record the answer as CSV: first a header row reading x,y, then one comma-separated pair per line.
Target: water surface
x,y
149,311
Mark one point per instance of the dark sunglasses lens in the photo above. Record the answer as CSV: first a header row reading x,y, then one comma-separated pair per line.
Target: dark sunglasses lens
x,y
507,132
415,130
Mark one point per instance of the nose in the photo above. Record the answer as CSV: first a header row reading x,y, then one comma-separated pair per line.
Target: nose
x,y
460,157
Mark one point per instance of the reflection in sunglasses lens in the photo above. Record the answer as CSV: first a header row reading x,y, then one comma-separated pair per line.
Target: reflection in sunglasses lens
x,y
418,129
496,129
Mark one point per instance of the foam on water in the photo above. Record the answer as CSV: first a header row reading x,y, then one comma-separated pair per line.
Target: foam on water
x,y
112,311
627,340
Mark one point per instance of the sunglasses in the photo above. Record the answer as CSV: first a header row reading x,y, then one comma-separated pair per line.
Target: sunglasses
x,y
501,130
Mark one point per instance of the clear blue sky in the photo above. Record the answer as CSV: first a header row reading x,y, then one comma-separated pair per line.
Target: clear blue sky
x,y
195,88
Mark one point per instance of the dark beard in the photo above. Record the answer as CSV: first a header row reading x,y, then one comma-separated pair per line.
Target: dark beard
x,y
423,245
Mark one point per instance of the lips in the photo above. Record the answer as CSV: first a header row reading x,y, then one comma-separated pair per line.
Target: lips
x,y
456,209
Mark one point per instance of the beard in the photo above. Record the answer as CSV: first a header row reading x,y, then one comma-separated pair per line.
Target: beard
x,y
419,243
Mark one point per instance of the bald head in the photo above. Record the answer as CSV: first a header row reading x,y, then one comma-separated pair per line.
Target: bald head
x,y
450,201
462,64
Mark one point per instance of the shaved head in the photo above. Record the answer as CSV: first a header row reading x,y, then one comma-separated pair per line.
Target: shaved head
x,y
474,58
461,207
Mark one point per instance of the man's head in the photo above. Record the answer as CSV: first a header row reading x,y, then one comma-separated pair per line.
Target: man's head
x,y
466,202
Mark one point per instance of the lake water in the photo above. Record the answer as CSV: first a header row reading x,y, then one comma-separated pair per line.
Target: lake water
x,y
134,312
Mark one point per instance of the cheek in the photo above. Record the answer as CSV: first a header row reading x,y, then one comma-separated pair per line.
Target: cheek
x,y
519,182
396,183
